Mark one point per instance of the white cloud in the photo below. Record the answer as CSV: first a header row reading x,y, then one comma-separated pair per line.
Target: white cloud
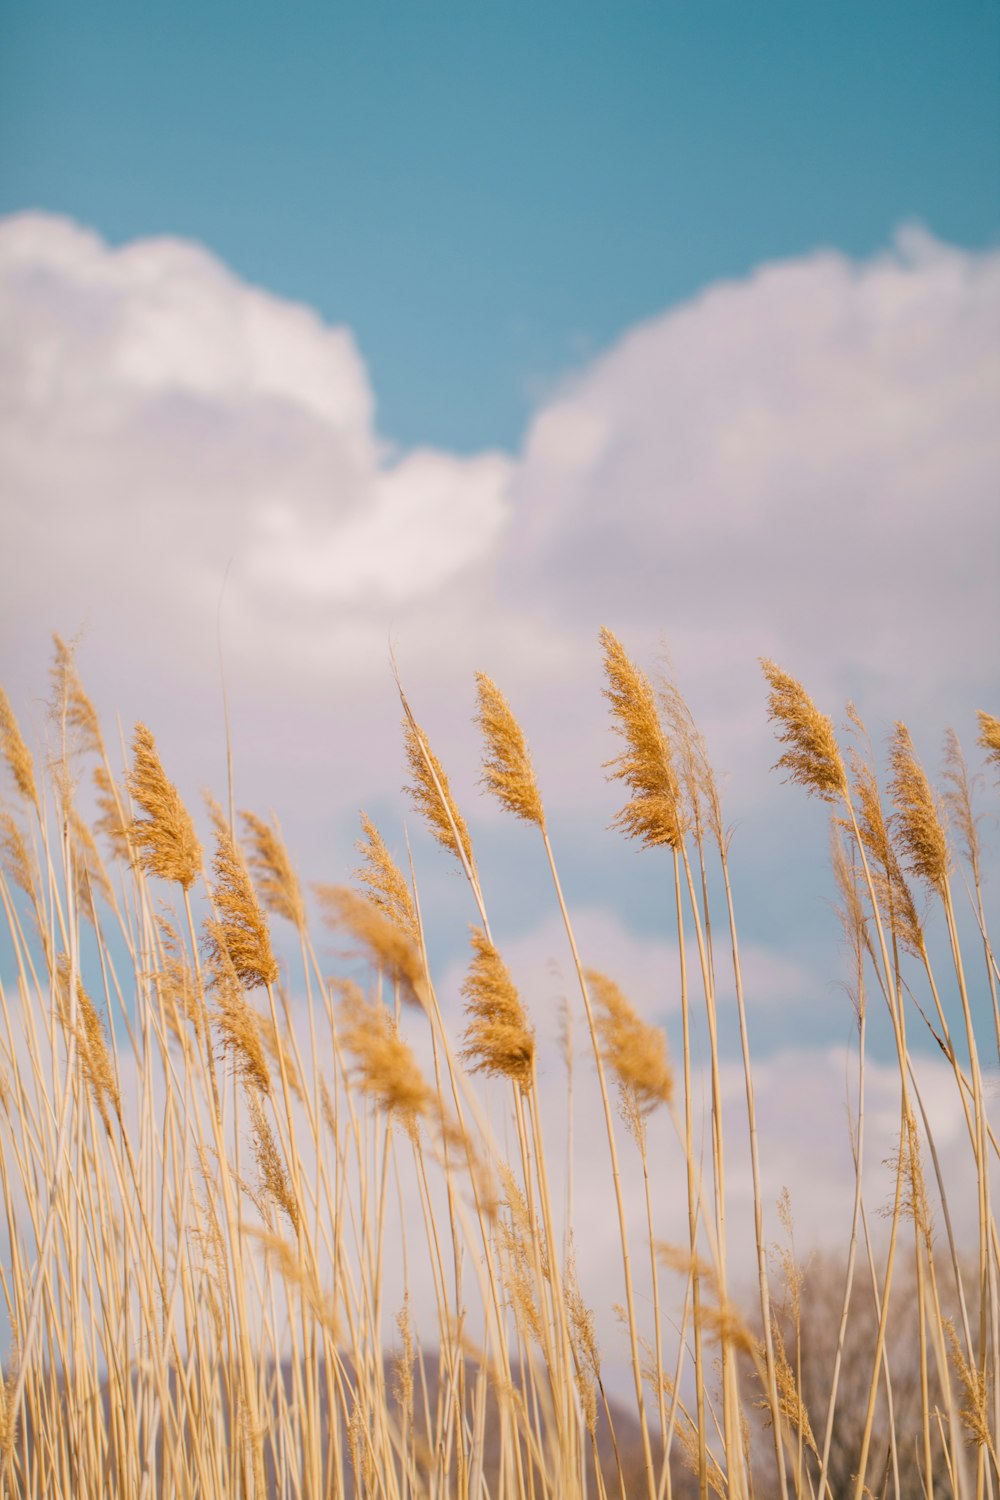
x,y
803,464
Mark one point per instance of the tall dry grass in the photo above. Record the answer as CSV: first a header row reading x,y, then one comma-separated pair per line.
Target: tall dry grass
x,y
226,1178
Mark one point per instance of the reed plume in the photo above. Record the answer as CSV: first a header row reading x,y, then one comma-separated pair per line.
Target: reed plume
x,y
790,1402
385,1067
274,1179
507,768
176,983
893,894
957,797
111,820
384,881
636,1051
385,943
430,793
165,841
16,753
276,879
989,736
91,1045
813,756
235,1021
17,862
974,1411
89,866
240,929
653,815
498,1038
916,823
70,695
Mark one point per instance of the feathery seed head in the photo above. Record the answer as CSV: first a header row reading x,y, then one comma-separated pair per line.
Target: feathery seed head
x,y
695,769
894,897
88,866
16,753
176,983
165,839
974,1411
274,1180
916,823
498,1038
235,1021
989,736
813,756
646,767
241,929
111,820
386,944
507,768
957,797
790,1402
384,1064
92,1048
17,862
402,1363
277,881
70,696
384,881
636,1051
429,790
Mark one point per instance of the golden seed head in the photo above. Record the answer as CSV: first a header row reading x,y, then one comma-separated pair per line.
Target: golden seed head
x,y
235,1021
813,756
790,1402
429,790
16,753
699,782
17,861
88,866
384,881
653,815
402,1363
385,944
636,1051
72,700
894,897
241,928
916,823
957,798
498,1038
165,840
974,1411
277,881
507,768
112,820
92,1047
907,1161
385,1067
989,736
176,983
274,1179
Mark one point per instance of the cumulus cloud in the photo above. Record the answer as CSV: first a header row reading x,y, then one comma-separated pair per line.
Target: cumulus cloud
x,y
802,463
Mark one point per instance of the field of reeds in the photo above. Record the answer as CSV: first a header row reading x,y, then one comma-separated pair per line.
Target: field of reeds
x,y
272,1232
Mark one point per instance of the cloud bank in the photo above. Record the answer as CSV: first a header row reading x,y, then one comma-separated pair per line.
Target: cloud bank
x,y
801,464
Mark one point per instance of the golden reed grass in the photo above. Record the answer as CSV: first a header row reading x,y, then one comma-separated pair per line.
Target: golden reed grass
x,y
321,1246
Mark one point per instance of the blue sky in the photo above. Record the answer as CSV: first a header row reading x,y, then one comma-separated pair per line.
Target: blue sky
x,y
485,194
